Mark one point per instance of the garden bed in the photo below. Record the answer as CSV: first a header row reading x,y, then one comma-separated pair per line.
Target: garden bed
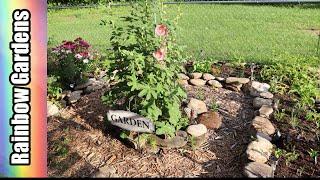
x,y
91,145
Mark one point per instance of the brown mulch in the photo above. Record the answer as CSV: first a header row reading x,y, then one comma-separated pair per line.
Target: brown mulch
x,y
80,142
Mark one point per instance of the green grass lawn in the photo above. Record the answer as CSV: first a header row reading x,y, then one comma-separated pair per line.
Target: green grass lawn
x,y
223,32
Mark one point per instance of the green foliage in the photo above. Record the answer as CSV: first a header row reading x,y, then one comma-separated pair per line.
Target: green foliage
x,y
70,61
202,66
214,106
280,115
314,155
313,116
54,89
279,153
291,156
293,77
147,82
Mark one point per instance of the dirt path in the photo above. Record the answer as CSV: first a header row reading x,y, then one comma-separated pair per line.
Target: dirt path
x,y
80,143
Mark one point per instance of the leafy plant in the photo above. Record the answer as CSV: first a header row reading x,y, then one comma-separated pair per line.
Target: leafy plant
x,y
293,77
313,116
54,89
279,153
192,141
291,156
72,59
145,58
279,115
314,155
202,66
214,106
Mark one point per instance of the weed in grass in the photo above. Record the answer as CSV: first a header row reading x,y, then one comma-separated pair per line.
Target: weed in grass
x,y
291,156
294,120
200,95
192,141
313,116
279,115
300,170
279,153
314,155
214,106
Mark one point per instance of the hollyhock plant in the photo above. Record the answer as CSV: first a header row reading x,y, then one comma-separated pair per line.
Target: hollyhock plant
x,y
160,54
161,30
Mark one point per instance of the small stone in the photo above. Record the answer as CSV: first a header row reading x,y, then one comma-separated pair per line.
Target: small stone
x,y
86,84
105,171
317,101
198,82
65,94
208,76
234,87
263,125
183,76
197,130
260,87
259,102
215,83
265,111
196,75
235,80
221,79
52,109
197,106
182,82
211,119
75,96
256,170
259,150
264,136
93,88
267,95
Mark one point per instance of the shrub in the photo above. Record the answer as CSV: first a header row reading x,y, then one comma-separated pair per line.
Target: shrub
x,y
71,61
145,60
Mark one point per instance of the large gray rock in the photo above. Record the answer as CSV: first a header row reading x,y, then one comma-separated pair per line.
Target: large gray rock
x,y
259,102
197,82
197,130
130,121
215,83
183,76
258,170
265,111
75,96
259,150
52,109
263,125
196,75
197,106
235,80
208,76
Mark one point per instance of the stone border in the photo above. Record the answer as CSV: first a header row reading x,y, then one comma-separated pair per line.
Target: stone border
x,y
259,150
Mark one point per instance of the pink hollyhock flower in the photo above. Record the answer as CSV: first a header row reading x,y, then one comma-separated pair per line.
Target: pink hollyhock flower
x,y
159,54
161,30
84,54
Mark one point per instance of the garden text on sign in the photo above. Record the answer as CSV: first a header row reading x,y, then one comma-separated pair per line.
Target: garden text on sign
x,y
130,121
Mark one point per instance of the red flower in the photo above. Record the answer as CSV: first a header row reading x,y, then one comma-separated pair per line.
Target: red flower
x,y
161,30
